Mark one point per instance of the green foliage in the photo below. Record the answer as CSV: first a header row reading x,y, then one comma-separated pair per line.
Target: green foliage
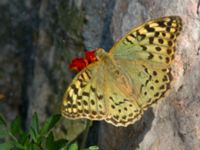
x,y
74,146
92,148
38,137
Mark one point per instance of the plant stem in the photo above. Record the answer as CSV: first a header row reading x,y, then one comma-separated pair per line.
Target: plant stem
x,y
85,134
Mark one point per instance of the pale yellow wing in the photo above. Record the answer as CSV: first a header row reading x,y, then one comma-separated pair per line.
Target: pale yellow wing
x,y
150,82
151,42
95,94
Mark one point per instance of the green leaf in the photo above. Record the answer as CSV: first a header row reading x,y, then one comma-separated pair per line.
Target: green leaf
x,y
50,141
28,144
33,134
50,123
73,146
33,146
36,147
20,146
34,128
92,148
23,138
7,146
35,123
15,127
63,148
62,143
52,145
4,133
3,127
2,121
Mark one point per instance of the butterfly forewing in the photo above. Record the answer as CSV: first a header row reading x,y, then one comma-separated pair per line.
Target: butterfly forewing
x,y
154,41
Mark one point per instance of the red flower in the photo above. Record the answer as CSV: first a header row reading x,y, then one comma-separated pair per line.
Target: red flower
x,y
90,56
78,64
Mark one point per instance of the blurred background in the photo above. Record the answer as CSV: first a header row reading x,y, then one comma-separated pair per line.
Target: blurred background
x,y
39,38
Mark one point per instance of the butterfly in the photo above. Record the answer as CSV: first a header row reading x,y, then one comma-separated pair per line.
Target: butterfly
x,y
125,81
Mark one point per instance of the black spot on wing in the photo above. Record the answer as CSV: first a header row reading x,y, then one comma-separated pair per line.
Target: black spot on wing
x,y
161,23
74,88
149,29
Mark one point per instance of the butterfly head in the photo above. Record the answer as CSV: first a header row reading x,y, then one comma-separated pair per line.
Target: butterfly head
x,y
100,53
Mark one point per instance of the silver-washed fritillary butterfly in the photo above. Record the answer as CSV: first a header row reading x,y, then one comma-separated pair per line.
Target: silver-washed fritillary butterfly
x,y
124,82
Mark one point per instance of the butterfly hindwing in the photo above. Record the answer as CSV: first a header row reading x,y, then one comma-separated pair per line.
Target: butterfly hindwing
x,y
151,81
81,99
121,103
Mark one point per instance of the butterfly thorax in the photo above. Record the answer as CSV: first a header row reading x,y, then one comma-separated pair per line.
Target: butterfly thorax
x,y
106,59
123,82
